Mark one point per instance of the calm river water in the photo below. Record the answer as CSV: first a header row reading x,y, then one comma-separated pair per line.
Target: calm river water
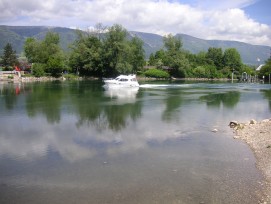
x,y
75,142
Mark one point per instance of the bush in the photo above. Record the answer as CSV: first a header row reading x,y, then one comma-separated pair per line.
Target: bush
x,y
70,76
38,70
27,75
8,68
206,71
156,73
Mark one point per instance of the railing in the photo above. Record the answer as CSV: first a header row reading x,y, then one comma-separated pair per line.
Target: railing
x,y
3,73
7,72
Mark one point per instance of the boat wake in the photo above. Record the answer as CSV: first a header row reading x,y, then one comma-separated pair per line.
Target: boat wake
x,y
164,85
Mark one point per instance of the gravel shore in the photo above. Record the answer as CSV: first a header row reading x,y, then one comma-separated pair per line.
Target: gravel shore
x,y
258,136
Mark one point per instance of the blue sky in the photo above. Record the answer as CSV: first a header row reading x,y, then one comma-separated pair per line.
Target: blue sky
x,y
240,20
260,11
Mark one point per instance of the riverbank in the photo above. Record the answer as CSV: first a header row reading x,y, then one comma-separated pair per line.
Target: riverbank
x,y
142,78
15,78
258,136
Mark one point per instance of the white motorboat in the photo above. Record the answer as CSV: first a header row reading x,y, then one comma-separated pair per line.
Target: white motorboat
x,y
122,81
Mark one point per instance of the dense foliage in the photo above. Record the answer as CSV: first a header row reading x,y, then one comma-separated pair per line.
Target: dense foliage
x,y
265,70
9,59
106,55
157,73
211,64
47,54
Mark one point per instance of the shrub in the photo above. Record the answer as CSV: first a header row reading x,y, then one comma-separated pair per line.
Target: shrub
x,y
38,70
156,73
8,68
27,75
70,76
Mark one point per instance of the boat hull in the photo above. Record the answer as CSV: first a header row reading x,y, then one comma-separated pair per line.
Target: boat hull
x,y
122,81
119,84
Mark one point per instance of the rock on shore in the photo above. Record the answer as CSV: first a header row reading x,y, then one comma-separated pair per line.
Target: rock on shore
x,y
258,136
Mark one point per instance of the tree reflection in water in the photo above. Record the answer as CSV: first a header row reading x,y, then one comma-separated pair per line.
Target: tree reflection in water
x,y
107,109
228,99
46,99
267,95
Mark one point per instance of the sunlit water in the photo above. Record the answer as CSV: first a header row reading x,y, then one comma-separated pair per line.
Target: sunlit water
x,y
75,142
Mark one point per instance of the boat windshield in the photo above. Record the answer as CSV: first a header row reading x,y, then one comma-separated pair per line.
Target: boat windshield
x,y
121,78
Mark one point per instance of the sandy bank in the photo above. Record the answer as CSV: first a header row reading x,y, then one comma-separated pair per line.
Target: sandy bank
x,y
258,136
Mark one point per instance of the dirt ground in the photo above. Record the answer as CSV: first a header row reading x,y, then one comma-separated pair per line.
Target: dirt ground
x,y
257,134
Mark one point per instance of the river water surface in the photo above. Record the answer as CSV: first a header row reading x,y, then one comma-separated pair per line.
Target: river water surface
x,y
75,142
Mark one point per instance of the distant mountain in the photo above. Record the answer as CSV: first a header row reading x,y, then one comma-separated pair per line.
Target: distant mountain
x,y
16,35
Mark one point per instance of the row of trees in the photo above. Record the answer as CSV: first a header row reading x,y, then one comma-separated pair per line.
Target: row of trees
x,y
107,54
211,64
110,51
96,54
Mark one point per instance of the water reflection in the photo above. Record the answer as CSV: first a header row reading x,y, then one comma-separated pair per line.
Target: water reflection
x,y
267,95
228,99
79,120
45,99
8,93
107,109
75,139
123,95
172,102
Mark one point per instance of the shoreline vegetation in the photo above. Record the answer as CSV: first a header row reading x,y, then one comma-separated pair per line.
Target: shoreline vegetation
x,y
16,78
257,134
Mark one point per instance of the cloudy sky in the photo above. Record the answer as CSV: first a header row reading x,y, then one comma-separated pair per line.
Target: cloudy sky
x,y
241,20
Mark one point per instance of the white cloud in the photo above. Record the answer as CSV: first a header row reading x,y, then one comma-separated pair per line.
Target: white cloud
x,y
207,19
233,24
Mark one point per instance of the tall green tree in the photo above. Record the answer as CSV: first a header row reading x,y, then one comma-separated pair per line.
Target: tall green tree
x,y
137,55
175,57
232,59
172,44
151,60
266,69
160,58
121,55
47,53
86,57
31,46
77,57
9,59
114,49
99,30
107,54
215,56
